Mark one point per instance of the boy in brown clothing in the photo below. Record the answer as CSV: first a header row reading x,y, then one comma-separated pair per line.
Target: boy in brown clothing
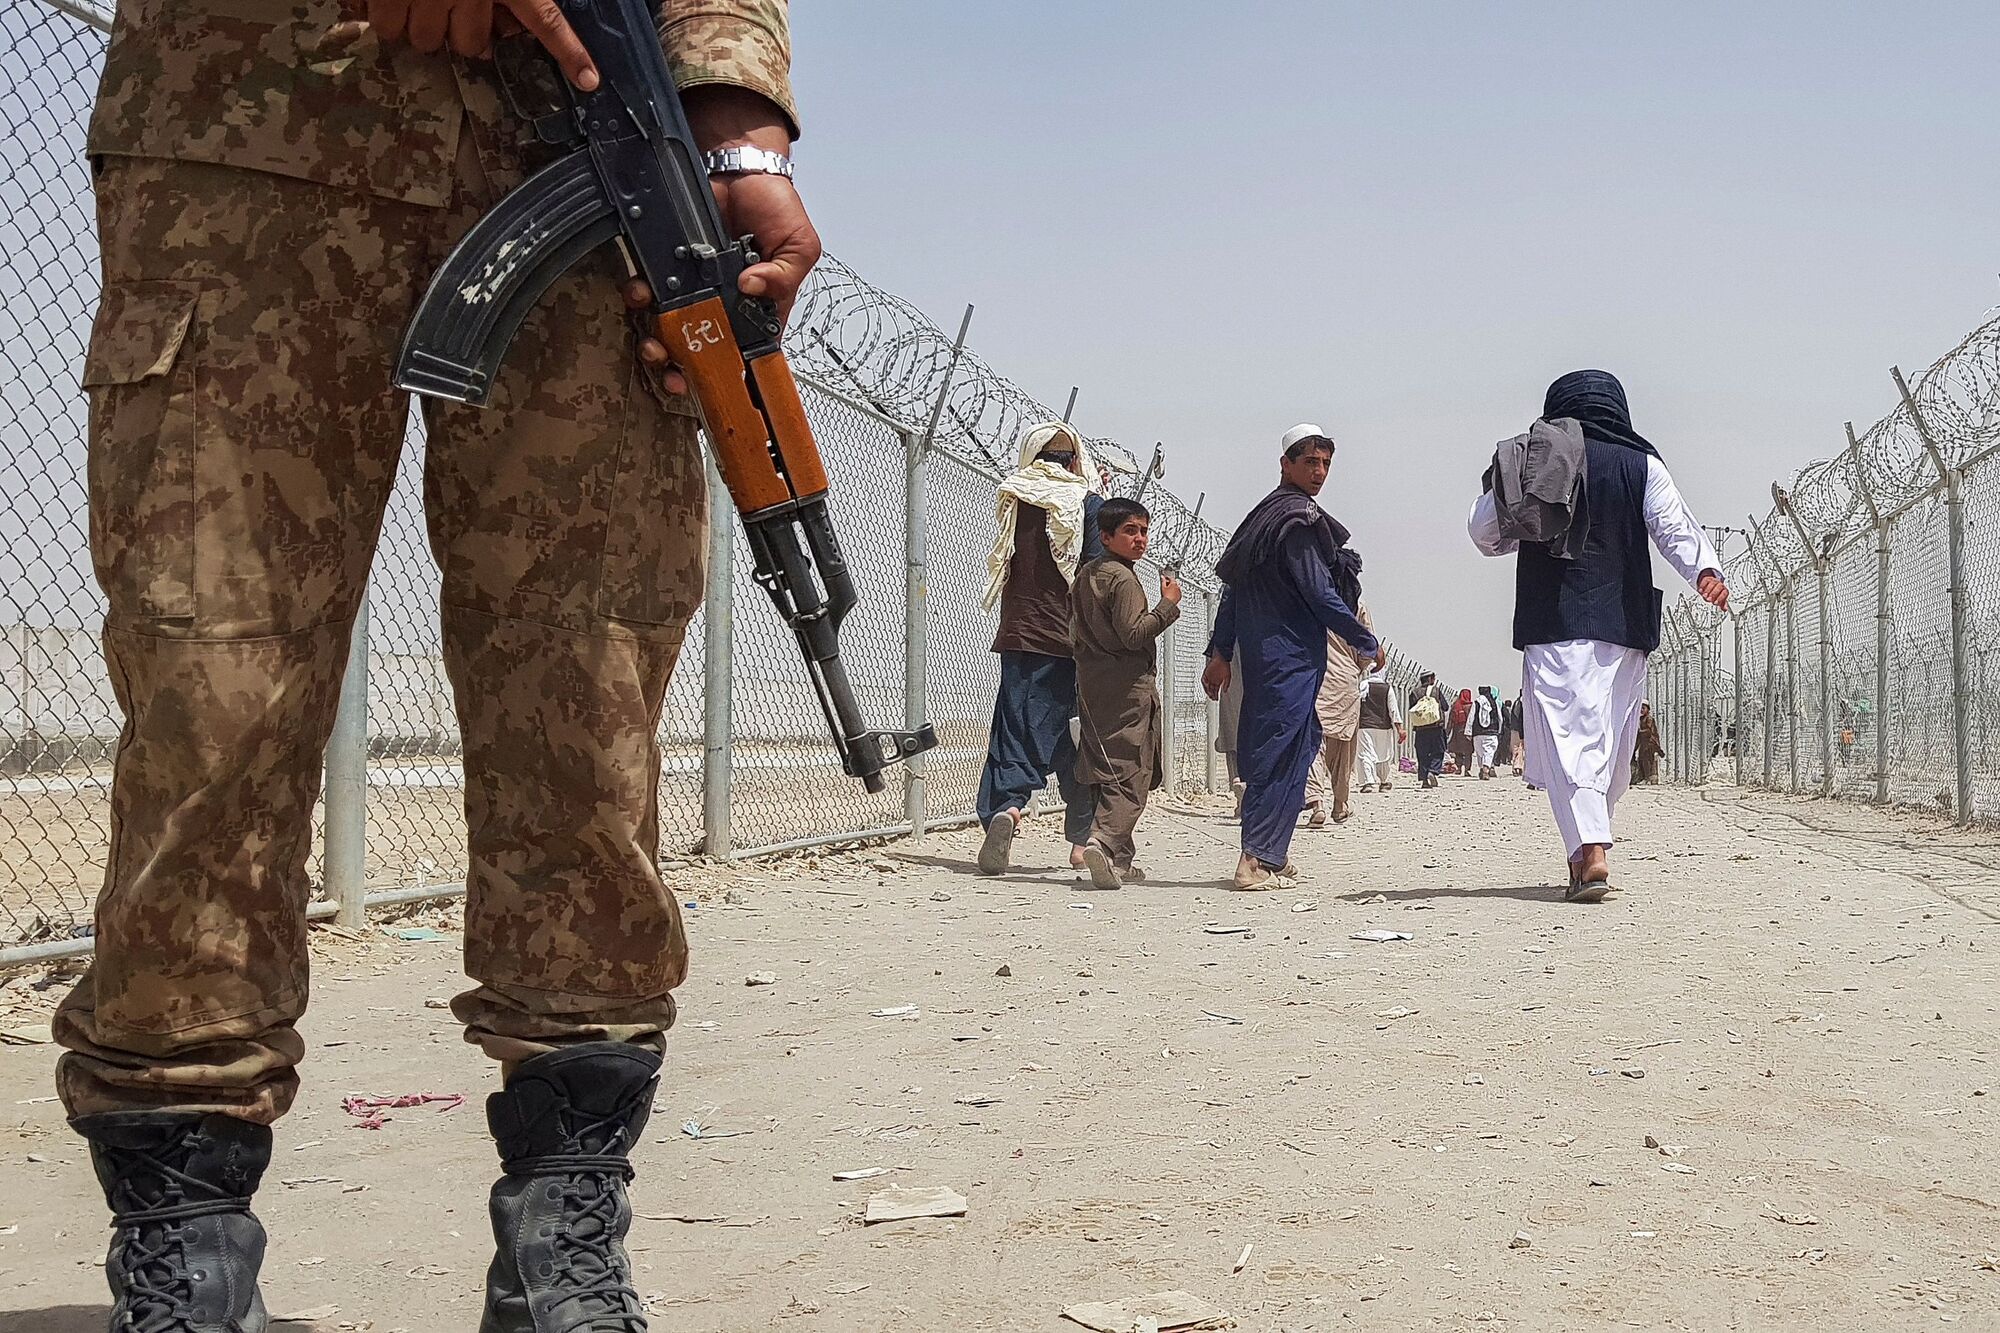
x,y
1113,634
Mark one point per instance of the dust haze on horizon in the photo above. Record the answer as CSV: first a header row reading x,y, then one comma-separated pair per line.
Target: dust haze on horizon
x,y
1403,221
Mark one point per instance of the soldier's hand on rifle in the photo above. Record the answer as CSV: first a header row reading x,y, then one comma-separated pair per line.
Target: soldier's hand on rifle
x,y
1170,590
763,206
467,26
1215,677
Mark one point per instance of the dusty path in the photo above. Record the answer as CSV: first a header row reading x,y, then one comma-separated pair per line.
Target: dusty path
x,y
1813,1011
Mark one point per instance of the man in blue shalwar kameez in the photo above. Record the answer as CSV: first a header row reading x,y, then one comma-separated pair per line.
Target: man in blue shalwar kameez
x,y
1283,574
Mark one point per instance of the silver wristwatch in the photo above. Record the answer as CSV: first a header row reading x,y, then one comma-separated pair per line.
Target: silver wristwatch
x,y
747,162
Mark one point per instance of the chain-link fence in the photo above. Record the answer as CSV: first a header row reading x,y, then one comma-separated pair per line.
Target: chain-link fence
x,y
1863,648
916,433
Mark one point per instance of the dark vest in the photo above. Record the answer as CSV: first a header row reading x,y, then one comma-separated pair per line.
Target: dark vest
x,y
1607,592
1375,715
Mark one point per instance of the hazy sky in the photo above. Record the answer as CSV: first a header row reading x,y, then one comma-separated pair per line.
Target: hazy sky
x,y
1402,220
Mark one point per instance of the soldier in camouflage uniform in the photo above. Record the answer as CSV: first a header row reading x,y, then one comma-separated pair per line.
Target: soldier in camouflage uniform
x,y
276,180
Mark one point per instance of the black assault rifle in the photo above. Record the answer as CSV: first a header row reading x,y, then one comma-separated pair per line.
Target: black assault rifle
x,y
632,177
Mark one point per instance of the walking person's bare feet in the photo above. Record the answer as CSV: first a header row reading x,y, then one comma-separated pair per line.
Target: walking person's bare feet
x,y
1589,875
997,849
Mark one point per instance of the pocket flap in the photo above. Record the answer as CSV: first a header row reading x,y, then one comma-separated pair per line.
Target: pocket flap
x,y
139,331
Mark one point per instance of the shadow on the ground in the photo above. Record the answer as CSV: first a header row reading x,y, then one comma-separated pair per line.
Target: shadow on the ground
x,y
1022,874
56,1319
1529,893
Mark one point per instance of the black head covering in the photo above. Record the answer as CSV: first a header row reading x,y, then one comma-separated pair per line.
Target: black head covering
x,y
1596,401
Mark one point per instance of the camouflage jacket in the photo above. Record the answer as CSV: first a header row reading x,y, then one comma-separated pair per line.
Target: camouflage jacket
x,y
299,88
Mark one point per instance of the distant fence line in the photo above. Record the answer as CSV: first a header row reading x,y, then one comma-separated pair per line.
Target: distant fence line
x,y
1861,656
747,767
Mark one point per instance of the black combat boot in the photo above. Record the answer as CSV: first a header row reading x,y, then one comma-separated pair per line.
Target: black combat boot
x,y
565,1124
185,1248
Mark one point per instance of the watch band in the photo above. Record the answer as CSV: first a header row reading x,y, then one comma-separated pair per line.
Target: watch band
x,y
746,161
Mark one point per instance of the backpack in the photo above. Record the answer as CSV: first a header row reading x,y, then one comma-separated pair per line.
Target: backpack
x,y
1425,712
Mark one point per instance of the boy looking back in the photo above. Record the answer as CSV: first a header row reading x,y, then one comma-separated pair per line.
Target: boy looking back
x,y
1113,633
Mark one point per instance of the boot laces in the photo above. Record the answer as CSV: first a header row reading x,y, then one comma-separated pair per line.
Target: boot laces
x,y
590,1274
154,1196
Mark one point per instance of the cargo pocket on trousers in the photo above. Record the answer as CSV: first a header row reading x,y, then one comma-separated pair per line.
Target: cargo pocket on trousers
x,y
140,374
656,537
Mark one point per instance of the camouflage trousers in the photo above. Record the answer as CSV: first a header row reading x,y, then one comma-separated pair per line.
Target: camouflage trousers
x,y
243,437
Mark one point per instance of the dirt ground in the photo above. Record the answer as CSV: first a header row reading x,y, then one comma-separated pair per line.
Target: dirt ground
x,y
1797,1000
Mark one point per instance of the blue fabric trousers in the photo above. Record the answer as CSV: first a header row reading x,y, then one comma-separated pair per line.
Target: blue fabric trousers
x,y
1430,752
1030,739
1275,768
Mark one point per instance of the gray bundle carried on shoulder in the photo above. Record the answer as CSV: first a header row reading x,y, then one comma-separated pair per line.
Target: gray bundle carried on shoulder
x,y
1540,487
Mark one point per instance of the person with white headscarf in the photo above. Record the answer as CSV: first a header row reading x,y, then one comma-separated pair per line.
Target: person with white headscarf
x,y
1048,528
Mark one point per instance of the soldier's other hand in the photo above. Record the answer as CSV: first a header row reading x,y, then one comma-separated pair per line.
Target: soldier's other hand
x,y
1215,677
467,27
652,352
765,207
1170,590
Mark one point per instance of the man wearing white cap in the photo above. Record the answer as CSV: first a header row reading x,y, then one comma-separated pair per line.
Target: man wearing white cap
x,y
1048,527
1289,579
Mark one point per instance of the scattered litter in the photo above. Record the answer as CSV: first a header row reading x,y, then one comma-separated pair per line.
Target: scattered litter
x,y
1812,1256
26,1036
897,1204
1678,1168
421,935
1003,971
1220,1017
1079,907
1632,1073
436,1002
1796,1219
1380,936
1225,930
1305,907
317,1312
10,1229
983,1099
694,1129
1474,1080
1652,1142
1642,1235
864,1173
370,1111
899,1011
296,1181
1400,1011
1522,1240
761,979
1987,1262
848,1288
1165,1311
715,1219
1241,1260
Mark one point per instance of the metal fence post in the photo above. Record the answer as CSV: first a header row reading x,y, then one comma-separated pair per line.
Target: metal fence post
x,y
1705,747
1866,489
916,624
1736,722
1212,710
1826,718
718,669
344,854
1771,609
1792,684
1954,510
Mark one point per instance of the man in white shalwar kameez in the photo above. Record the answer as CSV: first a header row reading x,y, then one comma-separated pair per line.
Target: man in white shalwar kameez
x,y
1585,625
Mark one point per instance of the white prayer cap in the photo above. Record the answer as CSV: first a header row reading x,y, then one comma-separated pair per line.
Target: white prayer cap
x,y
1302,432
